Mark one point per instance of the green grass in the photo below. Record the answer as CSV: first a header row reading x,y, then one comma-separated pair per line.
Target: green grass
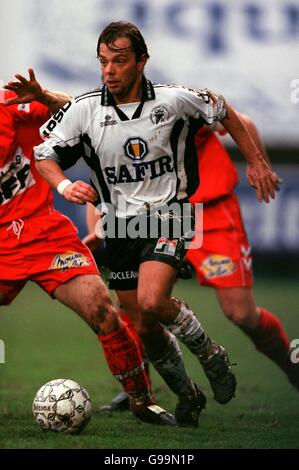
x,y
44,340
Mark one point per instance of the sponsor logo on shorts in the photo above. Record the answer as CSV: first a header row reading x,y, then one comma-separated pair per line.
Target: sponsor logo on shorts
x,y
217,266
69,260
165,246
123,275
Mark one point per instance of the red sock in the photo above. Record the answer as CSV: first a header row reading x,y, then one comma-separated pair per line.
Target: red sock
x,y
131,325
125,362
125,318
270,338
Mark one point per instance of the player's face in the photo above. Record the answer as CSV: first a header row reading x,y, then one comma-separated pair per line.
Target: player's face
x,y
121,73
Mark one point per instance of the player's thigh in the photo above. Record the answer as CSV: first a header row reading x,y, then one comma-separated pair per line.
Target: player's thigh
x,y
86,294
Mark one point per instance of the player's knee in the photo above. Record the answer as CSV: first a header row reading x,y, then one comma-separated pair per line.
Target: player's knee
x,y
239,315
234,313
102,315
97,309
150,306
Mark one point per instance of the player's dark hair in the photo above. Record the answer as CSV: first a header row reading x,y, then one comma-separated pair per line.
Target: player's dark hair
x,y
120,29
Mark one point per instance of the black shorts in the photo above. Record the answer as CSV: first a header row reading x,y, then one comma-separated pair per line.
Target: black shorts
x,y
124,255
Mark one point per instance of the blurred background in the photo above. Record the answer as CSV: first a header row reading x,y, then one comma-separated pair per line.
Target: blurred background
x,y
247,50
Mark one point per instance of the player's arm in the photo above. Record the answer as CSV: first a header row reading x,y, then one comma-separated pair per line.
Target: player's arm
x,y
259,174
62,148
252,131
78,192
255,135
28,90
211,108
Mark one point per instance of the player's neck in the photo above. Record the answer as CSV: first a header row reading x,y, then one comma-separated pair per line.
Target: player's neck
x,y
134,95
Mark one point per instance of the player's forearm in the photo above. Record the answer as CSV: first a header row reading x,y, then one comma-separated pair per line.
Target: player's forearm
x,y
78,191
50,171
237,129
253,132
54,100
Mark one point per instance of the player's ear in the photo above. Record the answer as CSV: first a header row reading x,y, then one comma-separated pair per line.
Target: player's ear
x,y
142,61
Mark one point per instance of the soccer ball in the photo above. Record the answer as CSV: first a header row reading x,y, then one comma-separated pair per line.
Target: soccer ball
x,y
62,405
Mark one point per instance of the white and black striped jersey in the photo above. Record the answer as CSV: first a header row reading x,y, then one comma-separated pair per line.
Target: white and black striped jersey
x,y
141,155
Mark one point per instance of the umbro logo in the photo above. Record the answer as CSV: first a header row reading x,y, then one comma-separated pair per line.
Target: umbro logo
x,y
108,121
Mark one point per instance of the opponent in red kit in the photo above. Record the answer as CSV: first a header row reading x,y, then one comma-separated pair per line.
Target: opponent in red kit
x,y
224,260
38,243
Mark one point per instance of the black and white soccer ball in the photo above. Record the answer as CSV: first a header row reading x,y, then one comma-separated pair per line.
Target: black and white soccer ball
x,y
62,405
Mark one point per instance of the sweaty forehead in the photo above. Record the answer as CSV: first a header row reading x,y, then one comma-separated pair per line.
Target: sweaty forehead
x,y
120,45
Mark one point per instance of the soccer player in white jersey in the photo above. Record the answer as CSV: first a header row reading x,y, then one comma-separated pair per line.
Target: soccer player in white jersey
x,y
136,138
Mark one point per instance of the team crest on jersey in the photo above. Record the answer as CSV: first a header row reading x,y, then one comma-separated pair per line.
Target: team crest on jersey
x,y
68,260
159,115
217,266
136,148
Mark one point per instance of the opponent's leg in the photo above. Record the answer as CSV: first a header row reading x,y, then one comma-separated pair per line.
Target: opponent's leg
x,y
3,298
121,401
9,290
261,326
88,296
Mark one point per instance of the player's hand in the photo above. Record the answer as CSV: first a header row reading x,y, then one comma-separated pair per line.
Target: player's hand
x,y
27,90
263,179
80,193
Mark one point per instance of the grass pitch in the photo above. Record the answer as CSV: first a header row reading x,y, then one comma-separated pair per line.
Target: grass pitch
x,y
44,340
